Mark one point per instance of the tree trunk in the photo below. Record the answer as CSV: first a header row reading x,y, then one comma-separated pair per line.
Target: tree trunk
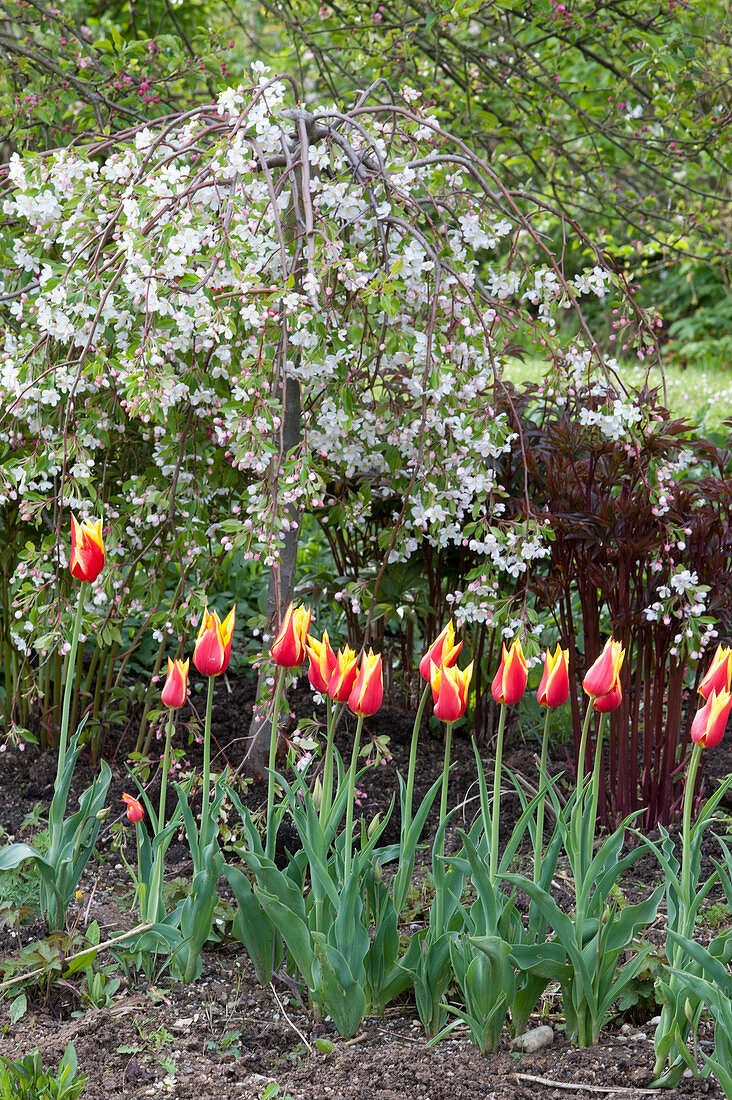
x,y
280,590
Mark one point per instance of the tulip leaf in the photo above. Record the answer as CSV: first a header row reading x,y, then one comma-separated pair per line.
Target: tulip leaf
x,y
335,988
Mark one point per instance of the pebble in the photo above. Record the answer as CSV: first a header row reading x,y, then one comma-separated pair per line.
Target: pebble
x,y
537,1039
627,1031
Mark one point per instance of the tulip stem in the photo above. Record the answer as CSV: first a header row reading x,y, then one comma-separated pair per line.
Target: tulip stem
x,y
686,823
445,775
583,746
69,687
539,835
271,839
206,795
413,760
596,776
169,729
440,849
139,884
349,800
326,799
495,809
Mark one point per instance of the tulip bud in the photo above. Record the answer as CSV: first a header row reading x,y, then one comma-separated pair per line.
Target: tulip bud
x,y
709,723
719,673
322,662
288,650
368,691
87,550
135,811
443,651
450,691
554,687
175,688
509,683
213,646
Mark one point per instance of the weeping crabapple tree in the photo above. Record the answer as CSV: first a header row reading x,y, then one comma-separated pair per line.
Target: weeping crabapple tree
x,y
216,322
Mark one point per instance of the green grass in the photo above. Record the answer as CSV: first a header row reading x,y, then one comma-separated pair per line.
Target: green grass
x,y
701,394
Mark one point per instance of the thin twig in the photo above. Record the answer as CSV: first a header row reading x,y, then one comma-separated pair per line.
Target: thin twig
x,y
294,1026
586,1088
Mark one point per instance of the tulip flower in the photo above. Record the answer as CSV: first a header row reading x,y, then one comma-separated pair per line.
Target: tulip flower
x,y
173,696
450,694
344,675
509,683
368,691
324,665
719,673
603,676
288,650
135,811
211,657
610,702
707,729
554,687
87,550
212,652
443,651
364,700
322,662
450,691
86,563
677,1015
175,688
605,703
553,692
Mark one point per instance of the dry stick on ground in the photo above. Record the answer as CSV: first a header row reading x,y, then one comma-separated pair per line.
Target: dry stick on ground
x,y
585,1088
294,1026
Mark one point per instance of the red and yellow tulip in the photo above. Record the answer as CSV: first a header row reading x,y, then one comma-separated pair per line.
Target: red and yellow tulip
x,y
213,646
605,703
718,674
443,651
554,687
87,550
603,677
509,683
289,650
709,723
175,688
135,811
322,662
450,690
368,690
344,675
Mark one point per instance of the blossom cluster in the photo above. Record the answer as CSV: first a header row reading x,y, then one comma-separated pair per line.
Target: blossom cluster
x,y
159,287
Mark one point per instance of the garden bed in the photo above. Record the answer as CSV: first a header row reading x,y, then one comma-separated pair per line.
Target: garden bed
x,y
224,1035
